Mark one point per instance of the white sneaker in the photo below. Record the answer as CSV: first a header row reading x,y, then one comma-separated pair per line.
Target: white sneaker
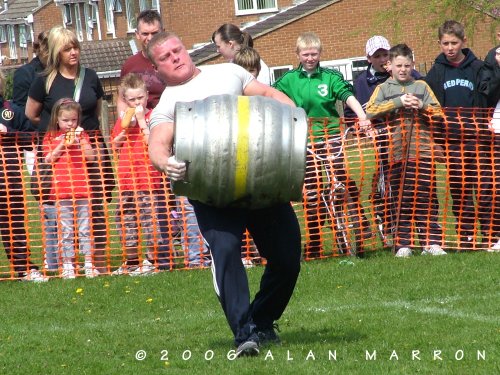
x,y
146,269
495,248
90,271
35,276
122,270
404,252
433,250
68,271
68,274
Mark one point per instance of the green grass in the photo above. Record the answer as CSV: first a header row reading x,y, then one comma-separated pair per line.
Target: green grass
x,y
348,305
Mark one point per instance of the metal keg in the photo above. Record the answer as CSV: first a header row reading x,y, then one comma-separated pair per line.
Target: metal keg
x,y
240,151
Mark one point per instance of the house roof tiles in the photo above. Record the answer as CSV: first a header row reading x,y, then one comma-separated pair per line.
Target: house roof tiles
x,y
18,10
105,56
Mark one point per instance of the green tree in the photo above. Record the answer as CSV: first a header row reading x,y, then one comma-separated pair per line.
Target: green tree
x,y
468,12
9,77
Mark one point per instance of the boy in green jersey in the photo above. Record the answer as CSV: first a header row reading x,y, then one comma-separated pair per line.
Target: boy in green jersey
x,y
317,90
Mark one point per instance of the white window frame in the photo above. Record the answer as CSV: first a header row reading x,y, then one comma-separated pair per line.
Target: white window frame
x,y
11,36
88,15
110,17
3,34
66,11
130,15
274,68
117,6
78,22
254,9
23,40
344,66
361,68
149,4
23,43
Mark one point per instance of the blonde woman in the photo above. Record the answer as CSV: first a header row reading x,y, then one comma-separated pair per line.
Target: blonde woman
x,y
64,77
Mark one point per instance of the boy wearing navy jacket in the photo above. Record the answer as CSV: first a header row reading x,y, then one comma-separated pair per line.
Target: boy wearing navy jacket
x,y
455,79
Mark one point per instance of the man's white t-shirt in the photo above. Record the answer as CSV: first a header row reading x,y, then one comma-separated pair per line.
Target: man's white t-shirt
x,y
212,80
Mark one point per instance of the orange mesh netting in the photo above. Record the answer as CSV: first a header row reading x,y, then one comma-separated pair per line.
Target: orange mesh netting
x,y
432,181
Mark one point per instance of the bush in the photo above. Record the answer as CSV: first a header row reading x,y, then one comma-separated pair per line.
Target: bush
x,y
9,77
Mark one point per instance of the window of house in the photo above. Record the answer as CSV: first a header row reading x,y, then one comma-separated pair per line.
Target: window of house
x,y
255,6
88,14
93,9
78,23
110,18
149,4
358,66
23,41
22,36
278,71
67,14
130,13
117,6
350,68
11,36
3,34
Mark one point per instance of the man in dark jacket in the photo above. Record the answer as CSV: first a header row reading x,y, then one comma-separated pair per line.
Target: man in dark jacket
x,y
26,74
455,79
12,204
490,86
490,77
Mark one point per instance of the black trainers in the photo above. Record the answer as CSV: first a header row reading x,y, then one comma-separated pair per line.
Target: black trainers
x,y
269,336
249,347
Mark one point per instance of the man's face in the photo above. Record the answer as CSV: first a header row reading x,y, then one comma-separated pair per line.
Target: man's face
x,y
172,61
145,31
309,58
379,60
401,68
451,46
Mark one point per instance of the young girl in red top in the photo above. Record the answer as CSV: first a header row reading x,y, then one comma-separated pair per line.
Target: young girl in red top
x,y
66,147
140,182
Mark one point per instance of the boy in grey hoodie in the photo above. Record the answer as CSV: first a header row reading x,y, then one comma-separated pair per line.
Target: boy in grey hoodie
x,y
408,106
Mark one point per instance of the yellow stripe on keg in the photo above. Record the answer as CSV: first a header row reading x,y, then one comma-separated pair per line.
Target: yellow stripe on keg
x,y
242,146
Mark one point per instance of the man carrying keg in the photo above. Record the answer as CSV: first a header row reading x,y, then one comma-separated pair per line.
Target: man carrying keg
x,y
275,229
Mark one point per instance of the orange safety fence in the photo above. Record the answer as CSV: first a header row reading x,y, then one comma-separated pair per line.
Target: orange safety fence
x,y
433,181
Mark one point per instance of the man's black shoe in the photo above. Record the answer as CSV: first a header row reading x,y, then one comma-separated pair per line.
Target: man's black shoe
x,y
249,347
269,336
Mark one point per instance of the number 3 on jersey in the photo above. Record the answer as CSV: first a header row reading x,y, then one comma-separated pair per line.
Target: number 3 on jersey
x,y
323,89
